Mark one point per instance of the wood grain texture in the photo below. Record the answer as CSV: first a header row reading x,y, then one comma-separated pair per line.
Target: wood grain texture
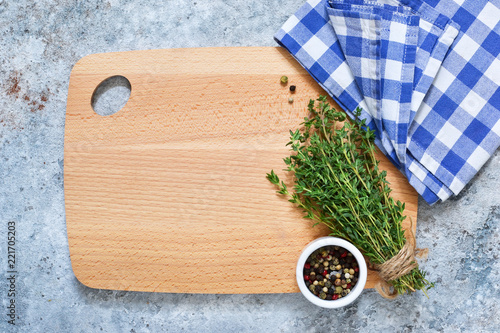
x,y
169,194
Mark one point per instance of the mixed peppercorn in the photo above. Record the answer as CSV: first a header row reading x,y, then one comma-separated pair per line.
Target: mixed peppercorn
x,y
284,81
331,272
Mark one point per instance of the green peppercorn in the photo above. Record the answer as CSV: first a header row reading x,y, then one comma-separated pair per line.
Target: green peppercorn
x,y
328,284
351,271
284,79
322,295
338,290
321,283
312,287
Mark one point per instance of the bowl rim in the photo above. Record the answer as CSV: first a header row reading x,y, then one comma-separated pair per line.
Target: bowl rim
x,y
331,241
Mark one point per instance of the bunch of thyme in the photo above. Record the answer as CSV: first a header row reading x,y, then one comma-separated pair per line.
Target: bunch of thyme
x,y
338,183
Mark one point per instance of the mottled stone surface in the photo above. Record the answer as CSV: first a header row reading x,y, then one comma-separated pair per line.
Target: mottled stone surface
x,y
41,40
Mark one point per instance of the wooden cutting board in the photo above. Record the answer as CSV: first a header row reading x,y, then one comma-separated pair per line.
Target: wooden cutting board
x,y
169,194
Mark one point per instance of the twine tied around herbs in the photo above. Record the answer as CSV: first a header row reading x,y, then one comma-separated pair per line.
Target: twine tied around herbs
x,y
401,264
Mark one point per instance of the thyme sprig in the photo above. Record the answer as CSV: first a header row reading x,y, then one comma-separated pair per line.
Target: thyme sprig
x,y
338,183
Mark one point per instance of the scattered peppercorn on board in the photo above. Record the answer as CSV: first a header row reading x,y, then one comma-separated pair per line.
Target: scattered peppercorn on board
x,y
170,193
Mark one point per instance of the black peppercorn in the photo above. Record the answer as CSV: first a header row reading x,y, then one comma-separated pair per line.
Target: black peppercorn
x,y
292,88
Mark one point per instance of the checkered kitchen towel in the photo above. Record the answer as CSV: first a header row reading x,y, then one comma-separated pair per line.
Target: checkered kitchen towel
x,y
427,75
380,45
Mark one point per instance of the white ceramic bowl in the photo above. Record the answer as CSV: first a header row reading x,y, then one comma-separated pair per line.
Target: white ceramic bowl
x,y
355,292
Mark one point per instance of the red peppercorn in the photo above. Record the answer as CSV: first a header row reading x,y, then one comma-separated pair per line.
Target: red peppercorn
x,y
306,277
335,296
325,272
343,255
356,269
307,266
349,286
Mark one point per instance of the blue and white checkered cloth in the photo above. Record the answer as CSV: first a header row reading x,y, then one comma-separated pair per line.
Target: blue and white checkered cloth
x,y
425,73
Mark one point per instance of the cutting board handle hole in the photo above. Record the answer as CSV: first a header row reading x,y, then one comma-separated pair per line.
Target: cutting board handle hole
x,y
111,95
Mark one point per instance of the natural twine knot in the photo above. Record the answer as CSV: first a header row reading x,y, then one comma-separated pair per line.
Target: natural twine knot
x,y
399,265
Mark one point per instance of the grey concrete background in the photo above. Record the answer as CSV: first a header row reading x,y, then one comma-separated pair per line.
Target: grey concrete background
x,y
39,43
